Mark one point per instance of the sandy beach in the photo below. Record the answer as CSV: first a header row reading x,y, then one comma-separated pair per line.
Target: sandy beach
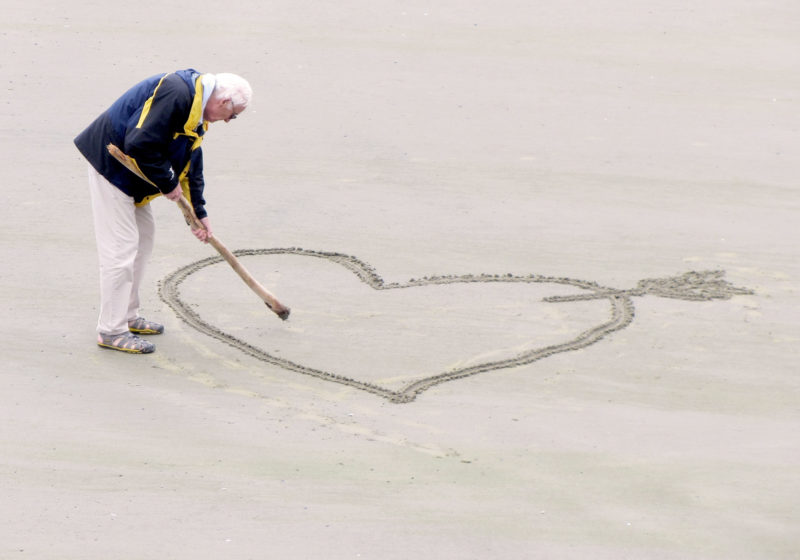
x,y
542,260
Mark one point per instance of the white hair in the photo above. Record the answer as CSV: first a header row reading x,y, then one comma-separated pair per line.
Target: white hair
x,y
235,87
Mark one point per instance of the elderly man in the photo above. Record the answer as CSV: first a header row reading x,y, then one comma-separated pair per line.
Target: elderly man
x,y
159,124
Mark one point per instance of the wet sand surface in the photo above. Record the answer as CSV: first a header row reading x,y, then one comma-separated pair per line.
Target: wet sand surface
x,y
543,268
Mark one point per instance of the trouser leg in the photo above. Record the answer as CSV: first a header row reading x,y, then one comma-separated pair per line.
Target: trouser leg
x,y
117,235
145,223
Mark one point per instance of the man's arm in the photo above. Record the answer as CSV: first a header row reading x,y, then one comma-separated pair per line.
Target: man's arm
x,y
196,188
197,183
147,141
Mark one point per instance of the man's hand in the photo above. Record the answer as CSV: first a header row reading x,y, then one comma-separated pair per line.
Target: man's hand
x,y
175,194
203,234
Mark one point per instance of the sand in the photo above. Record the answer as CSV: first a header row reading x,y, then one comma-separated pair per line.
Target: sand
x,y
542,260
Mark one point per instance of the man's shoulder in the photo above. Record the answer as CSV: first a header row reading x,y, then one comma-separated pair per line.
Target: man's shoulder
x,y
175,81
174,90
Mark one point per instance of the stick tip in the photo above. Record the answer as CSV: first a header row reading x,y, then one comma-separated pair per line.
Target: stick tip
x,y
283,312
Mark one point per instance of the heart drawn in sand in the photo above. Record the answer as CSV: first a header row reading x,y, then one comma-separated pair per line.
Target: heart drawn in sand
x,y
618,313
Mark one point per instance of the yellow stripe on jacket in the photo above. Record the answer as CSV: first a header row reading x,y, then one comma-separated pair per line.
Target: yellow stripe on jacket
x,y
189,129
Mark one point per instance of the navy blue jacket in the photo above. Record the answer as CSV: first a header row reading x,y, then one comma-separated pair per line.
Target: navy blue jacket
x,y
157,124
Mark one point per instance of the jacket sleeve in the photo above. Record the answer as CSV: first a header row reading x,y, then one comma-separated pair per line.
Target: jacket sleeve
x,y
197,183
147,140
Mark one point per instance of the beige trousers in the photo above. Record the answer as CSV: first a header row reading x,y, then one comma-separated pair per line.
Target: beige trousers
x,y
125,235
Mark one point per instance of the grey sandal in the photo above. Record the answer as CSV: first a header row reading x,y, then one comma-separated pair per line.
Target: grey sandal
x,y
140,325
125,342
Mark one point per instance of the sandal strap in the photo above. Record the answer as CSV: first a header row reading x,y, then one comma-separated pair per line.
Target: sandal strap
x,y
140,325
126,342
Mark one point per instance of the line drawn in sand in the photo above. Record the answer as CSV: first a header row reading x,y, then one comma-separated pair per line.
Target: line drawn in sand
x,y
692,286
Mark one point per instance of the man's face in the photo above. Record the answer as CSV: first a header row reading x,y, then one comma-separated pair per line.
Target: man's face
x,y
220,109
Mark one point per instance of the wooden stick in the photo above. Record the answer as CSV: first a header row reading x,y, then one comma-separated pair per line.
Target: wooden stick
x,y
191,218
